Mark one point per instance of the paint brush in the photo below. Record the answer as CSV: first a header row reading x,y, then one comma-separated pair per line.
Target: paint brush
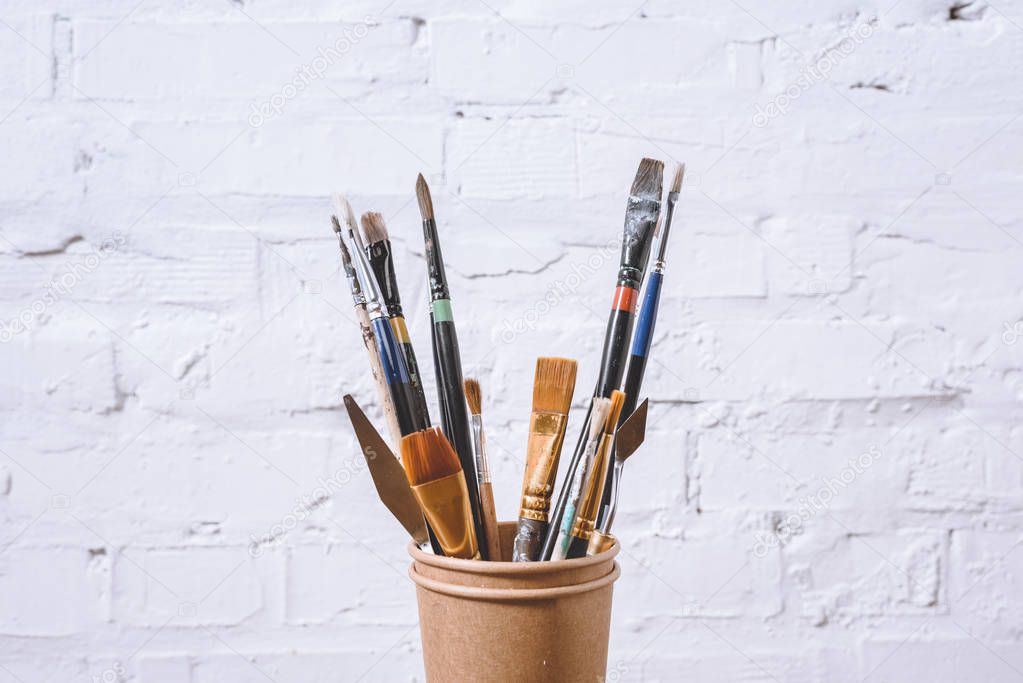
x,y
391,358
378,249
438,483
641,213
628,438
474,397
388,476
447,362
576,477
644,334
586,517
368,336
553,386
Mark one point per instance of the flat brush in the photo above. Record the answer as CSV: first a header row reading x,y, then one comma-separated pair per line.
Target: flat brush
x,y
474,397
368,336
641,212
378,249
447,361
438,483
628,438
586,517
576,477
553,386
644,333
391,358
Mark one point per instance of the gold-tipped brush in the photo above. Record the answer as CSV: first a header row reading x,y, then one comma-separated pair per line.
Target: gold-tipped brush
x,y
553,386
438,483
586,518
474,397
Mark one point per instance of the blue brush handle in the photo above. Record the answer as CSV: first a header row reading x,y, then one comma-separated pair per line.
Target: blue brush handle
x,y
395,373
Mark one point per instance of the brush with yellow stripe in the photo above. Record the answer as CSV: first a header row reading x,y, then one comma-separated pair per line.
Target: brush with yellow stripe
x,y
378,250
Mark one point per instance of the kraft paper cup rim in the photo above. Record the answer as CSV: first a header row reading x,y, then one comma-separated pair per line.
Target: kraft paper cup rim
x,y
506,594
513,568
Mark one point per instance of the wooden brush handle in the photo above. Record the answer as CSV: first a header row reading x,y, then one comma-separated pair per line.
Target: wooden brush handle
x,y
490,522
528,541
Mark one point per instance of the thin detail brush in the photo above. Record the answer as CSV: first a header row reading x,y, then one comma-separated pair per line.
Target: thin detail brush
x,y
553,386
644,333
474,397
438,483
641,212
391,357
447,360
586,517
368,336
378,249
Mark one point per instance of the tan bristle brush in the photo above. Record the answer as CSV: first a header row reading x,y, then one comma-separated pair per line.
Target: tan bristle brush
x,y
474,397
552,397
586,518
438,483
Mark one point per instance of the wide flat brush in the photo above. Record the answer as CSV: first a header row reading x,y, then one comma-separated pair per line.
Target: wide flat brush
x,y
438,483
378,249
368,336
553,386
586,517
576,476
474,397
641,213
644,334
391,358
447,361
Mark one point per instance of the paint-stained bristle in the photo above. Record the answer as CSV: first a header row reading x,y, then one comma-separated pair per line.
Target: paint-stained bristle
x,y
649,179
374,227
473,396
554,384
427,455
598,416
336,224
346,258
617,399
424,198
676,181
344,210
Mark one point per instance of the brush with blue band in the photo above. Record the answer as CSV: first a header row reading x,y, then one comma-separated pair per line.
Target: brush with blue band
x,y
447,360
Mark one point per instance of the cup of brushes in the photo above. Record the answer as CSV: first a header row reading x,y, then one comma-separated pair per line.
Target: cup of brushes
x,y
505,586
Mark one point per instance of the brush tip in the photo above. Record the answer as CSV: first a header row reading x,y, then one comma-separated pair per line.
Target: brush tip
x,y
617,400
649,179
554,384
344,209
473,395
598,415
424,198
676,181
335,223
427,455
374,227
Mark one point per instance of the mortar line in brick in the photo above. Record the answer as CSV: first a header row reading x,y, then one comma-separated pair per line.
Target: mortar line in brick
x,y
985,646
514,26
256,237
128,343
22,532
117,455
27,470
124,555
615,30
386,652
250,661
736,648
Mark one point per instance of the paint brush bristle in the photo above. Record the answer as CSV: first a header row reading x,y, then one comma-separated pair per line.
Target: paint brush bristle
x,y
649,179
473,396
676,181
344,209
424,198
598,418
374,227
554,384
427,455
617,399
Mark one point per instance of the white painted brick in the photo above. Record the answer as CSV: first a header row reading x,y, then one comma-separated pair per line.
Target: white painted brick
x,y
26,49
28,576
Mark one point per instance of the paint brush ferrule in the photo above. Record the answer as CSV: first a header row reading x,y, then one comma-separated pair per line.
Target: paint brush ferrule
x,y
640,222
546,437
380,261
445,504
479,445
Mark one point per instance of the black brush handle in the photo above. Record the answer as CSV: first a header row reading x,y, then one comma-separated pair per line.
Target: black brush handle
x,y
558,512
453,414
577,548
529,539
419,406
616,339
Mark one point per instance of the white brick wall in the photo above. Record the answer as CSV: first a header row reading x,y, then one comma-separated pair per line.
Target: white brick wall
x,y
831,488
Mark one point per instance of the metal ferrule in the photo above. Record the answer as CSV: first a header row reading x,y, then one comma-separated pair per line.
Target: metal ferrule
x,y
479,446
640,223
546,435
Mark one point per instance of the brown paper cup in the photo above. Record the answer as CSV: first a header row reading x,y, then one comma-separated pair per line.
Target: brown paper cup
x,y
514,621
